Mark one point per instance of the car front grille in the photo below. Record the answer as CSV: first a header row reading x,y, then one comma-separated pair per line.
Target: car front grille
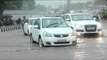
x,y
80,30
60,35
90,28
61,42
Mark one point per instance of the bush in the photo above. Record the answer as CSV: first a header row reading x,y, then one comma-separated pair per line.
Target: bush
x,y
104,14
6,20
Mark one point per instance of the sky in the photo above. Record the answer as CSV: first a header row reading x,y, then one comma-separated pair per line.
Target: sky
x,y
53,4
56,3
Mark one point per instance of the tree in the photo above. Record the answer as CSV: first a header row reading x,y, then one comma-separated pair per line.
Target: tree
x,y
41,7
31,4
2,6
9,4
13,4
28,4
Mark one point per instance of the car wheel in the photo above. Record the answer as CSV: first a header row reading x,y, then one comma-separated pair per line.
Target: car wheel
x,y
28,32
40,42
31,39
25,34
74,43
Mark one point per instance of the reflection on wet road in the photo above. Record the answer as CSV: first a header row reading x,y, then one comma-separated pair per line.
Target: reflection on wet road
x,y
14,45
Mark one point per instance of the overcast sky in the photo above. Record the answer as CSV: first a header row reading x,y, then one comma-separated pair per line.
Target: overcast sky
x,y
56,3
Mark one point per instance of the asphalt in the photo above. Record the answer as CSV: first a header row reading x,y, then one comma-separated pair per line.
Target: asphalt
x,y
15,46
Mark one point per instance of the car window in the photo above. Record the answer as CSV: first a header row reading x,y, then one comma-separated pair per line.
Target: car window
x,y
66,17
53,22
31,21
81,17
36,22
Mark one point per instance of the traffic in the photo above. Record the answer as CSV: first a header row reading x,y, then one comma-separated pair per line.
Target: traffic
x,y
63,30
84,23
53,30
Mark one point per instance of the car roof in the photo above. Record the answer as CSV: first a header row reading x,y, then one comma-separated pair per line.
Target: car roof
x,y
75,13
33,18
49,17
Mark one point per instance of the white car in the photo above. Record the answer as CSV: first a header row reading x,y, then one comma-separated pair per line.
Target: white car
x,y
52,31
28,24
83,23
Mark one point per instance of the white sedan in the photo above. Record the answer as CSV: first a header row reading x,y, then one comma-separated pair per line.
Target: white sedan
x,y
84,23
53,31
28,25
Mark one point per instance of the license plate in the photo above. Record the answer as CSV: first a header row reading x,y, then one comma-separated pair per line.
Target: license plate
x,y
90,28
61,40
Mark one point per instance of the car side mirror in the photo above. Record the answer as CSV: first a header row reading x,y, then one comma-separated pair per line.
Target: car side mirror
x,y
72,27
35,26
67,19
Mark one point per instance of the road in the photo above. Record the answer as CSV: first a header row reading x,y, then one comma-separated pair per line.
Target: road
x,y
15,46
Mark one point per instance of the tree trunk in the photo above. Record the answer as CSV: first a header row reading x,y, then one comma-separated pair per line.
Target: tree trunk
x,y
2,6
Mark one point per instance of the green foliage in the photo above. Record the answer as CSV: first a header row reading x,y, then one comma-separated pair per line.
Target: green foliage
x,y
9,4
104,14
28,4
13,4
31,4
1,1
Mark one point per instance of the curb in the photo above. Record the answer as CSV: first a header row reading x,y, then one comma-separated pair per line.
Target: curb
x,y
10,28
105,21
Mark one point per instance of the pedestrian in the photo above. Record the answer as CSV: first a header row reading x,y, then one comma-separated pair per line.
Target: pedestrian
x,y
23,21
18,21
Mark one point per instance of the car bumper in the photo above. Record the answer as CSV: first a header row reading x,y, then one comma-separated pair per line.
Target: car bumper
x,y
58,41
98,32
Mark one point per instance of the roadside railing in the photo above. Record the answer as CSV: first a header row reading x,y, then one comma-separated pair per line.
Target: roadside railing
x,y
10,28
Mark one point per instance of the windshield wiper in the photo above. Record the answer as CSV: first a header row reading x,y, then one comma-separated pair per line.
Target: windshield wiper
x,y
53,25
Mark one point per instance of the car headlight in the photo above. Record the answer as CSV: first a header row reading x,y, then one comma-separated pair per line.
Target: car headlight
x,y
99,26
72,34
46,34
79,26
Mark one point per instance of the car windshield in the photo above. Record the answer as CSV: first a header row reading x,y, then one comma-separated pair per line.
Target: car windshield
x,y
53,22
31,21
81,17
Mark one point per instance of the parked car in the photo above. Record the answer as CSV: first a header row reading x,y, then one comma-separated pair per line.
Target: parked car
x,y
83,23
52,31
27,25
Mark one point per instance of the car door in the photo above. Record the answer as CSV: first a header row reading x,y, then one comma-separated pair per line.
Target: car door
x,y
36,31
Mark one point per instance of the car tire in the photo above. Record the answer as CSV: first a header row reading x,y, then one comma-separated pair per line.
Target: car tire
x,y
40,42
31,39
25,34
28,32
74,43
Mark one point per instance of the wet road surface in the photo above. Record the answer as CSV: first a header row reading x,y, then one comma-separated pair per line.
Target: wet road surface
x,y
15,46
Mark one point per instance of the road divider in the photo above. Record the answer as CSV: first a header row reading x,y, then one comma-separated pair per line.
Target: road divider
x,y
10,28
